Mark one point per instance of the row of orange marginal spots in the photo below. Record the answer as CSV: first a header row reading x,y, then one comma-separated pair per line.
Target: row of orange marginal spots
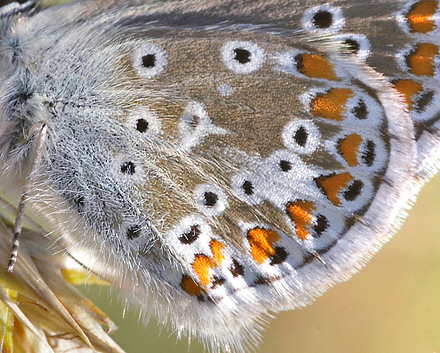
x,y
420,19
262,243
329,105
332,105
421,60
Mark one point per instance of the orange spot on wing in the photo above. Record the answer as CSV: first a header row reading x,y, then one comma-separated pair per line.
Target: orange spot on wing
x,y
216,248
331,105
262,243
315,66
421,16
333,184
190,287
349,149
301,214
409,89
202,263
421,60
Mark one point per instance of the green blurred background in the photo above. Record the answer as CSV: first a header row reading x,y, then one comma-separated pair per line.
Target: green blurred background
x,y
391,306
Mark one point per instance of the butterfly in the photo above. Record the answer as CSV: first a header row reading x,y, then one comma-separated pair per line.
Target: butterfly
x,y
219,161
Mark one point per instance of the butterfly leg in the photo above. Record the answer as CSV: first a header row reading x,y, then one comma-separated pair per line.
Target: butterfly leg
x,y
24,197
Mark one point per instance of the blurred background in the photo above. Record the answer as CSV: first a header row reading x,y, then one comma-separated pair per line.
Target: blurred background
x,y
391,306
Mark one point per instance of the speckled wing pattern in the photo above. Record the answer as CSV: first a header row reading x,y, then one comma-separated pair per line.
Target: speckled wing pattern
x,y
226,159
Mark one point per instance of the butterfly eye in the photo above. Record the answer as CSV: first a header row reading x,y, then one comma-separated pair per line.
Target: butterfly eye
x,y
242,57
21,98
150,60
325,18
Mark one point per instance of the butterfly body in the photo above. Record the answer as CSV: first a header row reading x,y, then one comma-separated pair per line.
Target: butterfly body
x,y
220,161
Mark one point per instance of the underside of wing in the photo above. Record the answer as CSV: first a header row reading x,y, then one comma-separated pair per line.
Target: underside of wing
x,y
232,158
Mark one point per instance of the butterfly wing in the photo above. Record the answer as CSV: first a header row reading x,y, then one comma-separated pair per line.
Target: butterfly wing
x,y
225,159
